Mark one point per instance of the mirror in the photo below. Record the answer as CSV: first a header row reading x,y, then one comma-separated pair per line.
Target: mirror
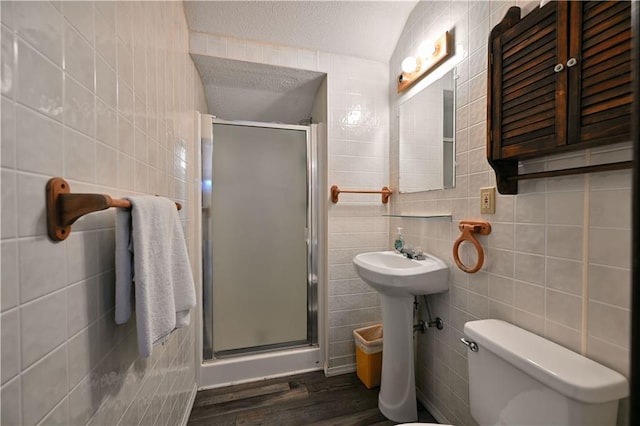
x,y
427,137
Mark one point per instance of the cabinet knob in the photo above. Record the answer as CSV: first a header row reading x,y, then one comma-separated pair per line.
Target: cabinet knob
x,y
571,62
558,68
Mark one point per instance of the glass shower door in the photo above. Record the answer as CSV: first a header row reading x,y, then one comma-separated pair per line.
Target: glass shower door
x,y
258,228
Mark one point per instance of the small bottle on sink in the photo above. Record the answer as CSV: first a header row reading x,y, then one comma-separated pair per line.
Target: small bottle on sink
x,y
398,244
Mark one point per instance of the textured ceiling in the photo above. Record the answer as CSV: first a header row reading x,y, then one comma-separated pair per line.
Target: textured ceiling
x,y
366,29
237,90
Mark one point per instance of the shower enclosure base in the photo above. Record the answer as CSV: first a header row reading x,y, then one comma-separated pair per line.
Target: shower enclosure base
x,y
249,368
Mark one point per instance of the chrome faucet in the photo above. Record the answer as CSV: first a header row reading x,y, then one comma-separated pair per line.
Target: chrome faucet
x,y
412,253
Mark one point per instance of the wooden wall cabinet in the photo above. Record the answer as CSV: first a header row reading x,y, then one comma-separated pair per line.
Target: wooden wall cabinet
x,y
559,79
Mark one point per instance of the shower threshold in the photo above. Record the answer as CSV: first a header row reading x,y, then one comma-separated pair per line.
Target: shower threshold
x,y
244,368
260,349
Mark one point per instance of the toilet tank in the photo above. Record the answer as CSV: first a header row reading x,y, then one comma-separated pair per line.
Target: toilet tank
x,y
519,378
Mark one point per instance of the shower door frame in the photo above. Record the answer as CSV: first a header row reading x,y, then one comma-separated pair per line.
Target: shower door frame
x,y
276,360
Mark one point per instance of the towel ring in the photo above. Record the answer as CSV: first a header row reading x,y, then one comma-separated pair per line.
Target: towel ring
x,y
468,228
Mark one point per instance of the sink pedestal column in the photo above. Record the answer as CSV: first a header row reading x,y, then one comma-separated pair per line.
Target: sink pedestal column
x,y
397,398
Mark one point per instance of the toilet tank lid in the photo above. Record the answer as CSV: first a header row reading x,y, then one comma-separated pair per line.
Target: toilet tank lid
x,y
563,370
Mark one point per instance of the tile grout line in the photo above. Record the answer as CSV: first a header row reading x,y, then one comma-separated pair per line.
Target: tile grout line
x,y
585,258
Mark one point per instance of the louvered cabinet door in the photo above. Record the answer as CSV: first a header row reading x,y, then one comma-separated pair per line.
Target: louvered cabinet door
x,y
600,81
528,93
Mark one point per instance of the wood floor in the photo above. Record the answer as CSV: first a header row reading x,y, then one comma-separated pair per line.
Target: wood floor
x,y
305,399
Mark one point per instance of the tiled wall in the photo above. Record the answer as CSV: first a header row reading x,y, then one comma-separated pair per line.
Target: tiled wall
x,y
358,159
102,94
558,257
357,155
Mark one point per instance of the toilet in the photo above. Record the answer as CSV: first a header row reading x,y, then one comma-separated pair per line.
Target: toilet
x,y
519,378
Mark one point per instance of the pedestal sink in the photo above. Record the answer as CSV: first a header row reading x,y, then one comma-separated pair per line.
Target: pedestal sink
x,y
398,279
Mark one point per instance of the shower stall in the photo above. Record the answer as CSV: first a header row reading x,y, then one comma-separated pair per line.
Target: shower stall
x,y
260,251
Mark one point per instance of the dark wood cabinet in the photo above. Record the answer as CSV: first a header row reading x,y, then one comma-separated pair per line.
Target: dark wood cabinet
x,y
559,79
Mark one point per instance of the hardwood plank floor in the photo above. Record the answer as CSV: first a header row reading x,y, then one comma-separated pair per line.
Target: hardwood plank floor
x,y
304,399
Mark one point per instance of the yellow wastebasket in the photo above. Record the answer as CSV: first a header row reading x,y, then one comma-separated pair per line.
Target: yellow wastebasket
x,y
369,354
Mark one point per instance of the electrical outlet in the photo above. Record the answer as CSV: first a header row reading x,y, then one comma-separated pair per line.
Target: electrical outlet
x,y
488,200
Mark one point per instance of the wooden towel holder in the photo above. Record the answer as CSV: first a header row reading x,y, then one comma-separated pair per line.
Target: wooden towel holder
x,y
385,191
64,208
468,228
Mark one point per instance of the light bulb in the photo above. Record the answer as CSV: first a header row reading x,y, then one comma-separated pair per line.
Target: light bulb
x,y
410,64
426,49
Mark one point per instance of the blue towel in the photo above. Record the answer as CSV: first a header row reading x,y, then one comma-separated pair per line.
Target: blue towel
x,y
151,251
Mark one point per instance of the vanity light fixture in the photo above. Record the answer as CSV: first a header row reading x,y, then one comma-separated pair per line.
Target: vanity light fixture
x,y
430,55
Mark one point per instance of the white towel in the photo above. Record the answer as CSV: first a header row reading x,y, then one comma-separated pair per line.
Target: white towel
x,y
151,250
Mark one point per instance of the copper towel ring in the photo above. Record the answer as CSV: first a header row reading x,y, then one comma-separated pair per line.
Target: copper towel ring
x,y
468,228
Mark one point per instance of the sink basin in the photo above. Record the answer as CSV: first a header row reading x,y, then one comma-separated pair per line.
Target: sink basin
x,y
393,274
398,280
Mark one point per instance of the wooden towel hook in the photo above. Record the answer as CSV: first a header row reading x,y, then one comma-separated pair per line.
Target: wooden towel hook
x,y
64,208
468,228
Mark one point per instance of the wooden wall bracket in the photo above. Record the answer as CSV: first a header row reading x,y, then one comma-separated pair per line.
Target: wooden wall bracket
x,y
64,208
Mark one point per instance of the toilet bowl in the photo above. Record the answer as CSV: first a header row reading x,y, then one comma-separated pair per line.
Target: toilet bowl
x,y
422,424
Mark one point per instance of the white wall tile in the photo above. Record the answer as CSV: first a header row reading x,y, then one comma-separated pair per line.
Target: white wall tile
x,y
564,275
59,416
530,268
31,218
32,129
106,86
82,303
529,298
80,156
609,323
7,13
8,71
564,309
40,24
564,241
107,124
39,82
610,285
79,107
530,208
610,355
610,247
565,208
10,279
9,214
43,326
44,385
124,23
10,401
83,353
78,57
125,64
10,322
80,15
562,335
83,402
611,208
105,33
530,238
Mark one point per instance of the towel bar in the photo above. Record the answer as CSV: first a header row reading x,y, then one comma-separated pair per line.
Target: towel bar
x,y
385,191
64,208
